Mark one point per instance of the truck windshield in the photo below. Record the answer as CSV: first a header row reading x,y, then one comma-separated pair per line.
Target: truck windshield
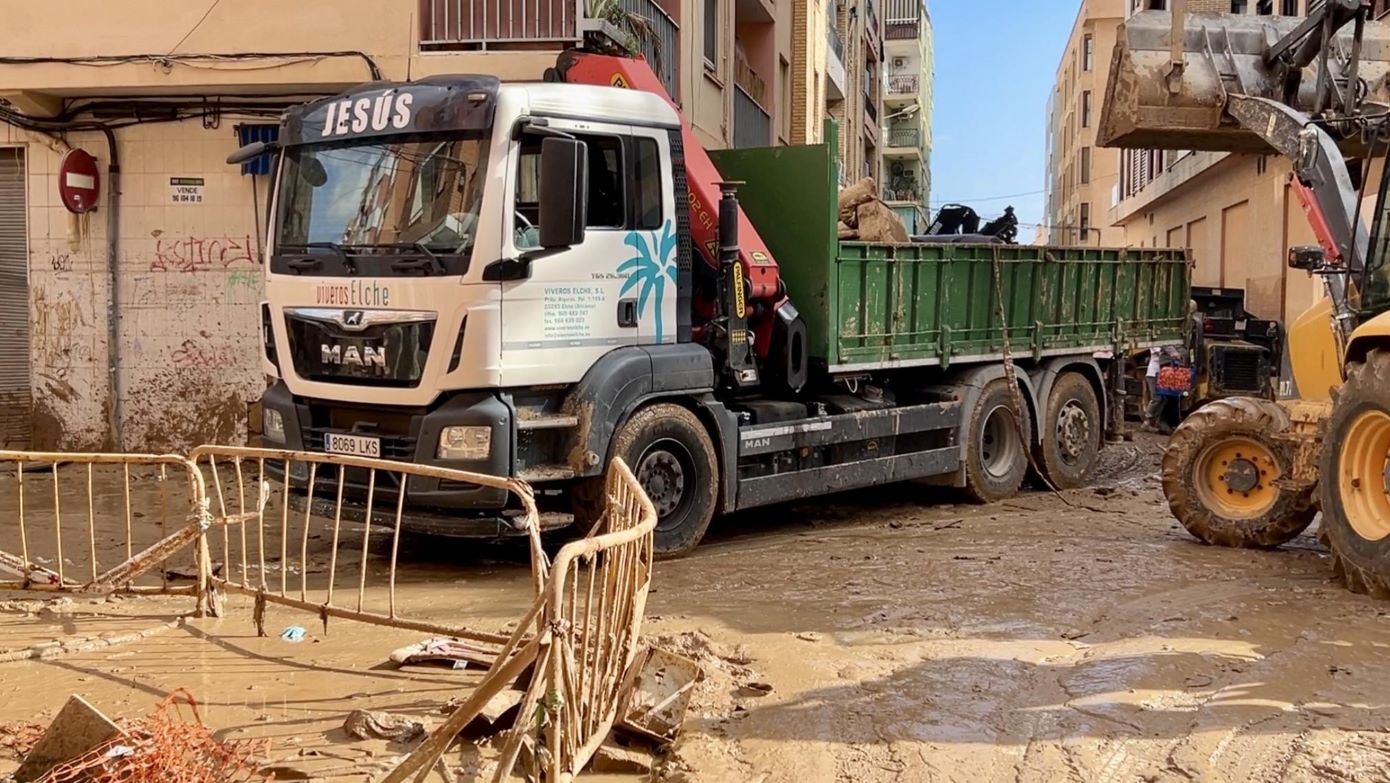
x,y
417,197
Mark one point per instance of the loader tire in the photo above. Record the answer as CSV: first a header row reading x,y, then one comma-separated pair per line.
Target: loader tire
x,y
997,437
1071,433
1355,484
1220,472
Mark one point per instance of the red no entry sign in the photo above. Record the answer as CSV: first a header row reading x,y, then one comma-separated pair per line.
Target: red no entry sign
x,y
79,182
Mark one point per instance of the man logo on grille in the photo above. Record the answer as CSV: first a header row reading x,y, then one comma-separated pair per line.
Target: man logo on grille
x,y
352,318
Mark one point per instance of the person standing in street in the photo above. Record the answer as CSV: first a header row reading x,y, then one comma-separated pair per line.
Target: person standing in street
x,y
1158,404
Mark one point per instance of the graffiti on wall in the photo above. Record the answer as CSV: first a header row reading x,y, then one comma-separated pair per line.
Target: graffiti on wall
x,y
199,353
62,329
202,254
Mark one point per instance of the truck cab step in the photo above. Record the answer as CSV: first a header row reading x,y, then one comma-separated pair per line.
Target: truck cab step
x,y
547,422
541,473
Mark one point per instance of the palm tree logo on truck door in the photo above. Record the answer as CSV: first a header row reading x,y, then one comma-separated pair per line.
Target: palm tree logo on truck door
x,y
649,270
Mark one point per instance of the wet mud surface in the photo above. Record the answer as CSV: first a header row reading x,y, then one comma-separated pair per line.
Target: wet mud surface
x,y
877,636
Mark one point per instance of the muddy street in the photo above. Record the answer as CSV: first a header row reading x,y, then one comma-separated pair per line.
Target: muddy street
x,y
875,637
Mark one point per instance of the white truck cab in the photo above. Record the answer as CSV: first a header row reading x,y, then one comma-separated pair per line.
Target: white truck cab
x,y
435,245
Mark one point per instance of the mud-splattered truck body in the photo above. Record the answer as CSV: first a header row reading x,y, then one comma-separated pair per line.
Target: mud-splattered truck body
x,y
519,280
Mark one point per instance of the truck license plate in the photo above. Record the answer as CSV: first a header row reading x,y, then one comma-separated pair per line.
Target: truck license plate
x,y
352,445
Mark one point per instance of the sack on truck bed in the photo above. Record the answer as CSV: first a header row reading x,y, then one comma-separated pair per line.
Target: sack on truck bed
x,y
861,192
878,223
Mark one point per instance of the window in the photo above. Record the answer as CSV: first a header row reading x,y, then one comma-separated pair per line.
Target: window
x,y
1240,6
784,83
607,202
1289,8
1088,53
712,33
1086,109
1085,165
1085,222
646,173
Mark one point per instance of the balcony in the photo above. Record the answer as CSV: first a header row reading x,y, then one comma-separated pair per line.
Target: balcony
x,y
752,123
499,24
902,29
835,65
903,86
904,143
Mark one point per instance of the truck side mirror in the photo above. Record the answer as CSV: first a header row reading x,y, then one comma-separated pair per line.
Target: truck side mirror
x,y
253,150
1309,258
564,196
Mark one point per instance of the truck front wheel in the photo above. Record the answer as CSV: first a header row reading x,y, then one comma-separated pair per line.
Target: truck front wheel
x,y
996,451
674,460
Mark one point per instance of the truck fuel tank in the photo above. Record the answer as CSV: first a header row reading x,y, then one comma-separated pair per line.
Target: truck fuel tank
x,y
1166,97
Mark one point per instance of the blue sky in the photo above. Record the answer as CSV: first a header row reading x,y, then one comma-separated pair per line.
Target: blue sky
x,y
995,65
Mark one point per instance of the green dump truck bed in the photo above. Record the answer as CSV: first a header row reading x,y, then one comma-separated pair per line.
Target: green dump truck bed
x,y
870,306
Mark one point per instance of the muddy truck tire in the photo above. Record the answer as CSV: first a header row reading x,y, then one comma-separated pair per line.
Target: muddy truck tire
x,y
1221,475
1071,433
996,452
1355,484
673,458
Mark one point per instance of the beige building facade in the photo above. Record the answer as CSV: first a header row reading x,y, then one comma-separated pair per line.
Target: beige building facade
x,y
909,81
1081,176
141,318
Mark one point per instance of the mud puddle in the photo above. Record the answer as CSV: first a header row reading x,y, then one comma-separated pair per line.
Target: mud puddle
x,y
870,637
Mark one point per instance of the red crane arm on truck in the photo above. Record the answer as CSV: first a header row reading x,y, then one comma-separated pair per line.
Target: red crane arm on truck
x,y
702,178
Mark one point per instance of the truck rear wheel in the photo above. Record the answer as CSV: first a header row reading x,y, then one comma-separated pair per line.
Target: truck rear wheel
x,y
674,460
996,453
1071,433
1356,478
1222,471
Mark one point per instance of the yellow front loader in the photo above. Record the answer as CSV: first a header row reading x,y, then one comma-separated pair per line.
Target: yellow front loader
x,y
1253,473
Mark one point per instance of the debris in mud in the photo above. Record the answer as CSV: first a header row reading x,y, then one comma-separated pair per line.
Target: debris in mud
x,y
366,724
16,739
452,653
809,636
172,744
659,695
755,689
293,634
614,758
78,728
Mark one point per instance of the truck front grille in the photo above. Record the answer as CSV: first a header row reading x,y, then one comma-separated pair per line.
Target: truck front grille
x,y
1239,369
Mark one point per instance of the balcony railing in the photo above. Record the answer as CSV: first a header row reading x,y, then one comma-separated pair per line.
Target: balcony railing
x,y
905,137
464,24
903,84
907,190
837,45
752,123
659,42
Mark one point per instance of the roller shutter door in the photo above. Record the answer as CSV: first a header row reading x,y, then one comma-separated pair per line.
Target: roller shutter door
x,y
16,402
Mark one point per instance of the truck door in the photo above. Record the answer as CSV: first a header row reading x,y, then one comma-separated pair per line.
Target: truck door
x,y
614,289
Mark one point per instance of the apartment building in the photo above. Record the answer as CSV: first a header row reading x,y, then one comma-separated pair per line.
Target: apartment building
x,y
1237,213
909,73
136,325
1081,176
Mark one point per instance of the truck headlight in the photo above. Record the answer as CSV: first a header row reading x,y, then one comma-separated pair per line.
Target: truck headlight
x,y
467,443
273,425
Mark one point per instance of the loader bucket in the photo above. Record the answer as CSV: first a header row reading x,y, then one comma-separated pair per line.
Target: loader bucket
x,y
1156,100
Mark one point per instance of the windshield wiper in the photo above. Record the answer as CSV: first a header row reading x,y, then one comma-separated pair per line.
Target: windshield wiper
x,y
304,264
430,257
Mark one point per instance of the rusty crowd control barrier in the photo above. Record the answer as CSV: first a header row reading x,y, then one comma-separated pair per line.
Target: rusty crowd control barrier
x,y
581,636
100,523
289,512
